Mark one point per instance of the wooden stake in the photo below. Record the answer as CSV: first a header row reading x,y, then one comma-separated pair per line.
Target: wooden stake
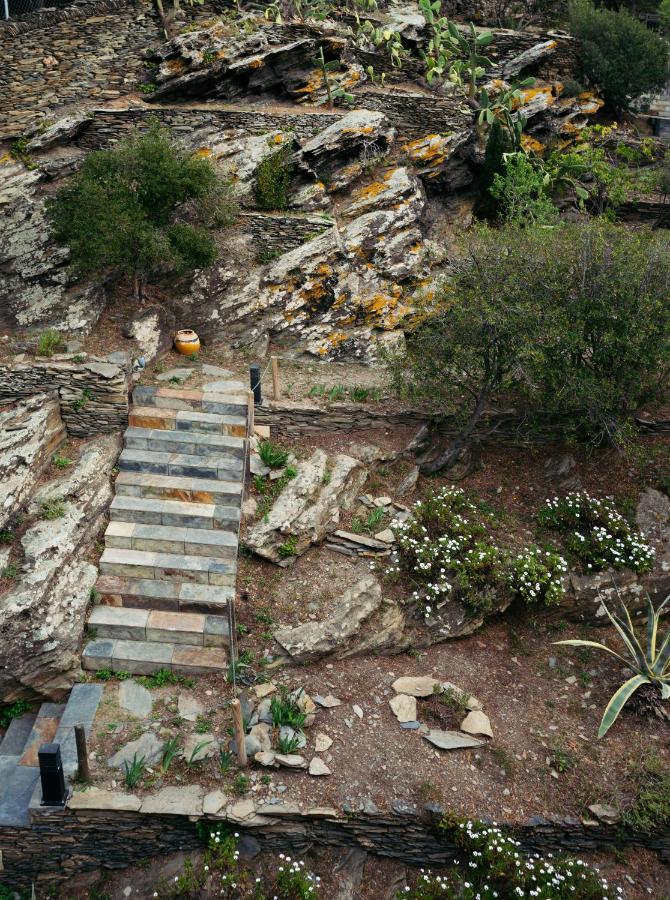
x,y
251,413
238,727
82,753
275,377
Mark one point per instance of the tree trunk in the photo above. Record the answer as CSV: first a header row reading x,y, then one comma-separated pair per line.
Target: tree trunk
x,y
449,456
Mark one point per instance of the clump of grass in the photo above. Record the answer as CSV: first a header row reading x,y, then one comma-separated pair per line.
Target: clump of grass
x,y
171,750
650,810
53,508
289,547
202,725
272,455
50,342
10,572
241,785
133,771
165,676
285,710
61,462
226,760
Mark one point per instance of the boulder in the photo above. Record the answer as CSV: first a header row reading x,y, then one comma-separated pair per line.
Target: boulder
x,y
152,328
442,158
307,508
30,432
42,616
338,155
362,621
63,131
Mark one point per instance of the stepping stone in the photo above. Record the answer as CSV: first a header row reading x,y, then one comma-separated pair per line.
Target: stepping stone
x,y
175,801
174,487
14,741
117,622
191,442
17,784
43,732
82,705
199,661
216,371
141,657
176,627
95,798
136,699
171,596
189,707
172,539
147,746
226,404
187,420
419,686
225,387
404,707
451,740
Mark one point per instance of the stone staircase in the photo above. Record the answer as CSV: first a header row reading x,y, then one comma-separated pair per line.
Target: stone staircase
x,y
168,571
20,786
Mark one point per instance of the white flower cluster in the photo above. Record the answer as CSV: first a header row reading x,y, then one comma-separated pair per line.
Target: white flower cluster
x,y
537,575
597,533
294,880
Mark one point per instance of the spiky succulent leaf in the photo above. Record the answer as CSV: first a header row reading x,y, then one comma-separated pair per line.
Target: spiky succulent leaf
x,y
618,701
663,658
594,644
665,691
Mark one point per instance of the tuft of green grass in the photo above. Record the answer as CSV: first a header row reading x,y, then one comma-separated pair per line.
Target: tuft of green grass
x,y
133,771
165,676
241,784
272,455
50,342
61,462
53,508
650,810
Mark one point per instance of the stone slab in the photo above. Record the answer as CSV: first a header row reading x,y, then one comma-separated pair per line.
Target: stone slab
x,y
175,801
95,798
141,657
136,699
14,741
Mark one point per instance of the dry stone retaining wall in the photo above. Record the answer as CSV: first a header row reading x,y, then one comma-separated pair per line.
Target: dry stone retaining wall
x,y
63,843
93,395
275,234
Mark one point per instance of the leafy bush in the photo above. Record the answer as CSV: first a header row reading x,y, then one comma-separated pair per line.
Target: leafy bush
x,y
273,180
447,553
133,209
618,53
494,865
13,711
521,191
531,315
50,342
596,533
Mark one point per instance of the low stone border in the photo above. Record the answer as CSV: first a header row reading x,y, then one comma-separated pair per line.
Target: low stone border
x,y
110,830
93,394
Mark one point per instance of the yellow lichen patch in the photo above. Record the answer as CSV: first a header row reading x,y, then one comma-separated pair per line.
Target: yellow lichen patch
x,y
4,160
430,150
532,145
332,342
530,94
278,139
256,63
370,191
324,269
203,151
175,65
365,129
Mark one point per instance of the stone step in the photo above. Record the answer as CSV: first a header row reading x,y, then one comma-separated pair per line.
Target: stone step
x,y
147,564
14,741
187,420
178,487
80,709
160,462
147,657
171,596
193,442
172,539
222,404
127,624
43,731
148,511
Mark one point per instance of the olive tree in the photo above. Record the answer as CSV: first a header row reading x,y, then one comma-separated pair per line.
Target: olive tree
x,y
570,321
142,208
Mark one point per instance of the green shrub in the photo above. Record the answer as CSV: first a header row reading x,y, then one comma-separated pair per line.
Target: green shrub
x,y
53,508
13,711
272,455
521,192
138,209
50,342
285,710
596,533
273,180
617,52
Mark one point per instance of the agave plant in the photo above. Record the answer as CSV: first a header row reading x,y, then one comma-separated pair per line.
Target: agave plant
x,y
650,665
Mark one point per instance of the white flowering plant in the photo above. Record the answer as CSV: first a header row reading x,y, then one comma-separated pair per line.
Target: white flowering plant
x,y
596,533
445,549
222,875
493,865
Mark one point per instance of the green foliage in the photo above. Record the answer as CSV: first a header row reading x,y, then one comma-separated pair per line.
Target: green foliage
x,y
10,571
650,810
53,508
241,784
618,52
13,711
288,745
594,177
273,180
289,547
50,342
446,551
521,191
163,677
171,750
133,771
226,759
285,710
650,664
570,321
61,462
132,209
272,455
202,725
596,533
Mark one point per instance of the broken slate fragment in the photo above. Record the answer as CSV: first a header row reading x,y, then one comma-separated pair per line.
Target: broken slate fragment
x,y
323,742
476,722
404,707
318,767
451,740
328,702
416,686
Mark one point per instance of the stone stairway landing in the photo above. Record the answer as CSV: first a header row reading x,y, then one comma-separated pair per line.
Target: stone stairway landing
x,y
20,786
168,570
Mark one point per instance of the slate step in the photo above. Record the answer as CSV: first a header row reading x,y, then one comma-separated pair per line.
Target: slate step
x,y
168,566
147,657
43,731
223,404
80,709
14,741
187,420
148,511
181,464
172,539
176,487
192,442
171,596
194,629
17,786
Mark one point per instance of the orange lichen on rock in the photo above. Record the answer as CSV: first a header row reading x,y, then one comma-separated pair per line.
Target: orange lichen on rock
x,y
532,145
256,63
332,342
203,152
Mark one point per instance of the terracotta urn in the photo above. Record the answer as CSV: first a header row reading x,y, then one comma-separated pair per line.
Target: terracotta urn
x,y
186,342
